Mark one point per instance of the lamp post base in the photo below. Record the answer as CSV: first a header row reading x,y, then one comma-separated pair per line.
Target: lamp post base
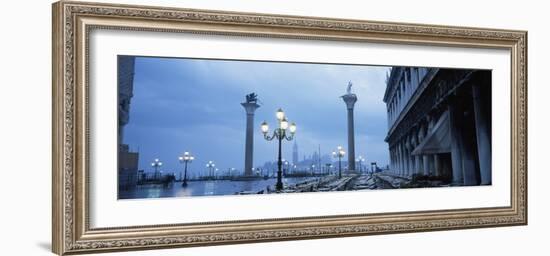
x,y
279,184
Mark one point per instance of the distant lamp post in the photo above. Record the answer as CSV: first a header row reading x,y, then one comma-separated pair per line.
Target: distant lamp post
x,y
285,171
312,170
279,133
339,153
360,160
185,159
373,167
328,165
210,165
156,164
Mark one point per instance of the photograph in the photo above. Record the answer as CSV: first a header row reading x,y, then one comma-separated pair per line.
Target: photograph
x,y
211,127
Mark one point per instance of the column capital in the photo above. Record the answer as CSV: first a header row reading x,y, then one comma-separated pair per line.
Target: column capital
x,y
250,107
350,100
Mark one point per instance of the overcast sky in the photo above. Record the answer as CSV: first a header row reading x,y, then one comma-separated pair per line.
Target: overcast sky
x,y
194,105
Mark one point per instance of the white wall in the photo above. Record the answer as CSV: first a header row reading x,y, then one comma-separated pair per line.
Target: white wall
x,y
25,127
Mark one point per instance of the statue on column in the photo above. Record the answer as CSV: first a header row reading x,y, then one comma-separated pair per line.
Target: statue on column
x,y
251,98
349,87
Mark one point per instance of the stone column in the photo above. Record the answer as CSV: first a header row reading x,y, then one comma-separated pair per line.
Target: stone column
x,y
425,158
414,143
392,159
398,151
437,165
410,162
410,165
395,159
466,151
405,163
418,167
426,164
408,86
399,98
398,157
403,159
468,165
414,77
456,141
250,108
350,100
395,112
483,135
420,138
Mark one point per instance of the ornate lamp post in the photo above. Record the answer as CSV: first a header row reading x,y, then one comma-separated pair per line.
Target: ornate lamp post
x,y
186,158
360,160
156,164
339,153
279,133
210,165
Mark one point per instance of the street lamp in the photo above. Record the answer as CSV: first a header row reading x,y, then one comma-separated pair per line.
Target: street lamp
x,y
210,165
156,164
373,167
360,160
312,170
339,153
186,158
328,165
279,133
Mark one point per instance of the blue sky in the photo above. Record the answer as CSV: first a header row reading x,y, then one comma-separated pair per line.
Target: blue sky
x,y
194,105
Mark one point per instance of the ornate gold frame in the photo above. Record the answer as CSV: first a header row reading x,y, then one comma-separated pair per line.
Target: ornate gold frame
x,y
72,22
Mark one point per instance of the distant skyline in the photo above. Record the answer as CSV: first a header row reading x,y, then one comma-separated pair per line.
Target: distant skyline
x,y
194,105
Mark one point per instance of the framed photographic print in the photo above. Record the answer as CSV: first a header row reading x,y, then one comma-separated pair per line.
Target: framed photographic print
x,y
179,127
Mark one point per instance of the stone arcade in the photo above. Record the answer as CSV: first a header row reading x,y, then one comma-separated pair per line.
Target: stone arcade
x,y
439,124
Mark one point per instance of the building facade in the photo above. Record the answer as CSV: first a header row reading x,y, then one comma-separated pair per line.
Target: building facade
x,y
127,160
439,124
